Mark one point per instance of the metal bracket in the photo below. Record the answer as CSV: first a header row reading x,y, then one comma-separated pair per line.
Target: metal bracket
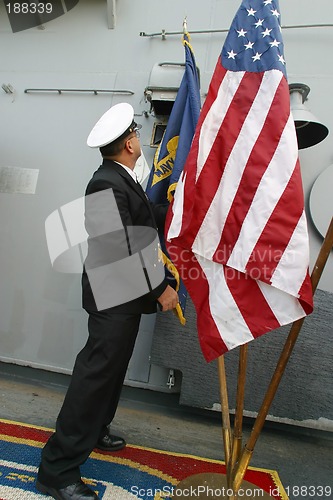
x,y
171,379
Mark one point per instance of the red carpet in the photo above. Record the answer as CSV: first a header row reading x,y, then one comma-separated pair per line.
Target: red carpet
x,y
132,473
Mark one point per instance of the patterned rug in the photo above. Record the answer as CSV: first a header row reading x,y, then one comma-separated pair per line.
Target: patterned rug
x,y
132,473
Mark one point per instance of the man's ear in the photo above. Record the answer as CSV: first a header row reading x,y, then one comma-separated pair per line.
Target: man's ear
x,y
128,146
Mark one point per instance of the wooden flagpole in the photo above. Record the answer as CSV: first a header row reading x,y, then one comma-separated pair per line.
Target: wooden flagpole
x,y
226,431
280,367
238,424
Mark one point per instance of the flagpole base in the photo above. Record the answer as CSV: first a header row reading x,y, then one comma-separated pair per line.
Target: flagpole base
x,y
213,486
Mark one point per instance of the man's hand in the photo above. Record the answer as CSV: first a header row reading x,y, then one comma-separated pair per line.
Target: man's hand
x,y
168,299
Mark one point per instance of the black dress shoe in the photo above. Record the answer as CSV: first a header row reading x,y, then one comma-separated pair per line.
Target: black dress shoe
x,y
75,491
110,443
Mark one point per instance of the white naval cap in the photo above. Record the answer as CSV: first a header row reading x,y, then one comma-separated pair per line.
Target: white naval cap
x,y
116,122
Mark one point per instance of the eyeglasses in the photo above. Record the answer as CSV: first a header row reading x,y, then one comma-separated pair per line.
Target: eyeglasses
x,y
137,134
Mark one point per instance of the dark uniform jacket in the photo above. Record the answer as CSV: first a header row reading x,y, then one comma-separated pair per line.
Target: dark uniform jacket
x,y
116,231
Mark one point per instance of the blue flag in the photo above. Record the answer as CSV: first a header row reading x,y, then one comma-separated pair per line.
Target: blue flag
x,y
172,152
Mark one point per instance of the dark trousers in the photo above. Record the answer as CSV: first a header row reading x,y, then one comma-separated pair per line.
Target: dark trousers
x,y
92,397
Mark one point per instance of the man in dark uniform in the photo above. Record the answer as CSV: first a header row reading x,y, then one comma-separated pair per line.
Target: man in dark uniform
x,y
121,280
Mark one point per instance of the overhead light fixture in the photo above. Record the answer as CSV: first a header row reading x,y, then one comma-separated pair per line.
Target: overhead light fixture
x,y
309,130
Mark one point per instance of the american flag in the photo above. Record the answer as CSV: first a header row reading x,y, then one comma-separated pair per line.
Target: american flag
x,y
237,230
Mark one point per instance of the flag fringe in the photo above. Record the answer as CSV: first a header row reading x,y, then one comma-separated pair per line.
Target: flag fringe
x,y
171,191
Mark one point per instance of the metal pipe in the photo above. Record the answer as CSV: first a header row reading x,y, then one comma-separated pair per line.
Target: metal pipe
x,y
79,91
164,33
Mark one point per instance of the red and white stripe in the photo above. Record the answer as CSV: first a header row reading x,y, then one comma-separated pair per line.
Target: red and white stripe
x,y
237,230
